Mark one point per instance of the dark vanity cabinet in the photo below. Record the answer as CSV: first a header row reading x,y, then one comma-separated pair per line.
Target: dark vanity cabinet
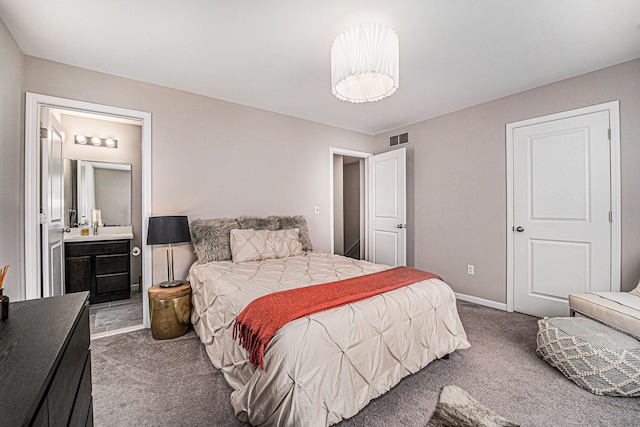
x,y
100,267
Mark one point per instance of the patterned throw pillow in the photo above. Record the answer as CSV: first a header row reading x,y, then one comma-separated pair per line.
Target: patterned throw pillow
x,y
299,222
256,245
636,291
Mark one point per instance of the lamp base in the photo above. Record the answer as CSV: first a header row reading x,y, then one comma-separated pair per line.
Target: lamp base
x,y
171,284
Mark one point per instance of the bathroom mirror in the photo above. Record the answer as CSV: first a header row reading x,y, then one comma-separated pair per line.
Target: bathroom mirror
x,y
97,185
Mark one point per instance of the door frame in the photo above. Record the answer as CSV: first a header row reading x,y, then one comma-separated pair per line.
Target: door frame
x,y
33,103
613,108
361,155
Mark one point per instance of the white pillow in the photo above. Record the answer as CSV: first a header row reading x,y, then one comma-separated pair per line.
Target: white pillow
x,y
255,245
636,291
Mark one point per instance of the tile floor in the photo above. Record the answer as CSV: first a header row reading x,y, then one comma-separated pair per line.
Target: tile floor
x,y
136,298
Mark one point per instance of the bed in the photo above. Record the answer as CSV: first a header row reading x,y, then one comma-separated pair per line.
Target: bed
x,y
324,367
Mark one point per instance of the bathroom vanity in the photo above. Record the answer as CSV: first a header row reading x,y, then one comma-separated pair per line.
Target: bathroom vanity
x,y
99,264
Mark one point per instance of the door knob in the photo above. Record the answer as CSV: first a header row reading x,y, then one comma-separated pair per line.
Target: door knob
x,y
399,226
519,229
65,230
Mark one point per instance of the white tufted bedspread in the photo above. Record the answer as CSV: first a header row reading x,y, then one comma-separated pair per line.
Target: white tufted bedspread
x,y
325,367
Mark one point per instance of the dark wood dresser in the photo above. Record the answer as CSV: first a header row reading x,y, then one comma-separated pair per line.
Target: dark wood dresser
x,y
45,365
100,267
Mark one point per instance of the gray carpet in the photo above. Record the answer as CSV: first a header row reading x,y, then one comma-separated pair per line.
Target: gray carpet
x,y
112,315
138,382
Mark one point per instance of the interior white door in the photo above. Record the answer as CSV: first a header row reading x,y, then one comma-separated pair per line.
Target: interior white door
x,y
562,204
52,205
387,210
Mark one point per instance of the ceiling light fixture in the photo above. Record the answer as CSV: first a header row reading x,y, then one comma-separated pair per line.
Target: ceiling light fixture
x,y
365,64
80,139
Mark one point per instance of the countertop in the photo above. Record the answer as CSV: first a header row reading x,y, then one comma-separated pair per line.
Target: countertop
x,y
104,233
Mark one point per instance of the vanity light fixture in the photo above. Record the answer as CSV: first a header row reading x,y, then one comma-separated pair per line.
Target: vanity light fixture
x,y
96,142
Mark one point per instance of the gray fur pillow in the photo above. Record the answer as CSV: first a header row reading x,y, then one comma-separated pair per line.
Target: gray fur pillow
x,y
257,223
289,222
210,238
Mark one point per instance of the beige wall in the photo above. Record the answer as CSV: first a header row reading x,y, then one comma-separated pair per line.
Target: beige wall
x,y
211,158
457,179
11,171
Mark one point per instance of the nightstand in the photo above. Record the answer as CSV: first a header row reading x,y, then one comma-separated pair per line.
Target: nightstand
x,y
170,311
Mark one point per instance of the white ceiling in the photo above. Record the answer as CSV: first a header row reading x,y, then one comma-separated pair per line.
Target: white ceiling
x,y
275,55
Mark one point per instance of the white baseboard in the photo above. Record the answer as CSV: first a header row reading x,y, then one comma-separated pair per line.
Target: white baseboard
x,y
482,301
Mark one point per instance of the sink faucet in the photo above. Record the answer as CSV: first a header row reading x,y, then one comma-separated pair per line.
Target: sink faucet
x,y
95,228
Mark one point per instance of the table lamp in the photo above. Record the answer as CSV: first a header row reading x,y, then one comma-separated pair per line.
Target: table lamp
x,y
166,230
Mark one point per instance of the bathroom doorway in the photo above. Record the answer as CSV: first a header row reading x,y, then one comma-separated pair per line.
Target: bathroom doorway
x,y
106,181
119,155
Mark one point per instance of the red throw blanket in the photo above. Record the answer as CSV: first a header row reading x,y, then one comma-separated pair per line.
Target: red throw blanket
x,y
261,319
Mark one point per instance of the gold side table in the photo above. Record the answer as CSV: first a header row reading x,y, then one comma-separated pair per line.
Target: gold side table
x,y
170,311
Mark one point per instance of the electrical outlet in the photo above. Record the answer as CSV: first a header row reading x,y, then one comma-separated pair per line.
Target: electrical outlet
x,y
316,210
470,269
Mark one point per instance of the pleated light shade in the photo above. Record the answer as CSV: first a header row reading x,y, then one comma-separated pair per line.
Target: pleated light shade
x,y
365,64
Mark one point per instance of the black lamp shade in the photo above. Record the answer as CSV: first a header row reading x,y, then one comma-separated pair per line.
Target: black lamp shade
x,y
164,230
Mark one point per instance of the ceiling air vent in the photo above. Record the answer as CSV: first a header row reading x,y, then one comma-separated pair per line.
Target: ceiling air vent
x,y
403,138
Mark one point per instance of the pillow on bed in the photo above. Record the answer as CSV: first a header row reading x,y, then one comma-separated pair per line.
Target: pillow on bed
x,y
210,238
255,245
636,291
257,223
289,222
